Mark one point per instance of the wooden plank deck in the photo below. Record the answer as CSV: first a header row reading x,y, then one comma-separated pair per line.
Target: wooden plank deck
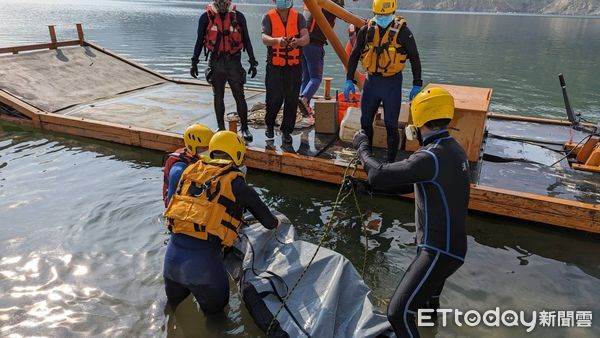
x,y
491,200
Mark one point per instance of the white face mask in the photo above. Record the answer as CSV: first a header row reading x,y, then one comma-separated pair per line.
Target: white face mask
x,y
411,132
243,169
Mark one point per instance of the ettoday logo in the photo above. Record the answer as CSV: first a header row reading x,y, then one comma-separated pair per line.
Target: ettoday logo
x,y
507,318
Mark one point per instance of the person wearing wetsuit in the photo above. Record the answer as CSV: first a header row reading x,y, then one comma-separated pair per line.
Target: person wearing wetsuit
x,y
193,260
223,33
382,46
438,174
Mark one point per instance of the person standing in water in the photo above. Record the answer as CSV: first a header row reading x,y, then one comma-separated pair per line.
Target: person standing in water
x,y
284,33
205,214
313,57
383,45
195,139
438,174
223,33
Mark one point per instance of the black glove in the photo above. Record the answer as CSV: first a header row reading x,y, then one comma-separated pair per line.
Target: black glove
x,y
252,69
360,186
194,70
359,138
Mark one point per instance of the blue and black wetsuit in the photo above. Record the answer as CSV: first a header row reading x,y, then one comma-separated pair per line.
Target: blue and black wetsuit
x,y
439,175
194,265
381,90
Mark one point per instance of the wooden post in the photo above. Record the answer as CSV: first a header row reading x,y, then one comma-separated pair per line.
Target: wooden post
x,y
52,37
79,33
232,123
327,90
330,34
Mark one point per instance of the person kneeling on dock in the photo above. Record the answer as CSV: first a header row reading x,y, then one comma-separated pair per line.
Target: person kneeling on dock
x,y
284,33
204,215
222,32
438,174
383,46
195,138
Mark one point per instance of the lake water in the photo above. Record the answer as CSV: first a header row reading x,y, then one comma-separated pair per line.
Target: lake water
x,y
82,244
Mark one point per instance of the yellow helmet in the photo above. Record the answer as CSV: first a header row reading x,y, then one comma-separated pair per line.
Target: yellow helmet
x,y
431,104
384,7
197,136
229,143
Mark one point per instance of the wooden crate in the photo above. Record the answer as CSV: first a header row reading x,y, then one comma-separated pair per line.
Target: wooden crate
x,y
326,115
470,114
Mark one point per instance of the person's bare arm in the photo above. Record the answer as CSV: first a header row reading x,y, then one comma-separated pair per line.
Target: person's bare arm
x,y
302,41
268,40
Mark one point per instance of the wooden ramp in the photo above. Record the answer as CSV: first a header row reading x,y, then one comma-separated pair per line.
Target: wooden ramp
x,y
81,89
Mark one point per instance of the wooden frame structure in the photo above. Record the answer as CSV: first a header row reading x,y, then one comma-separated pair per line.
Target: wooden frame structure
x,y
525,206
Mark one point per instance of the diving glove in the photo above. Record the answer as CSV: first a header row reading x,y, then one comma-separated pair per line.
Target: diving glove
x,y
252,69
413,92
359,138
194,70
360,186
349,87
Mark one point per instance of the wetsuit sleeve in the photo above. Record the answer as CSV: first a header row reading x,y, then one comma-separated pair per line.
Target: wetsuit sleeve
x,y
174,176
419,167
356,51
250,200
246,37
202,24
407,40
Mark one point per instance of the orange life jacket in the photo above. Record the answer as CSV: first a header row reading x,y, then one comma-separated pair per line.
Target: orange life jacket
x,y
284,56
223,35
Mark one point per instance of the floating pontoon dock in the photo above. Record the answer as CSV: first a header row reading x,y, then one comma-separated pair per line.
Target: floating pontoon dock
x,y
78,88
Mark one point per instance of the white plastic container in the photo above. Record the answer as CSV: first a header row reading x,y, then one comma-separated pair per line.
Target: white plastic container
x,y
350,124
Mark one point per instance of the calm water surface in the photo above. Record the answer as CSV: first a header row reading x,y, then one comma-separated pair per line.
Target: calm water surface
x,y
82,244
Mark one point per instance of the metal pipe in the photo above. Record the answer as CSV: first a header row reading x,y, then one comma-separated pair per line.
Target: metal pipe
x,y
330,34
342,13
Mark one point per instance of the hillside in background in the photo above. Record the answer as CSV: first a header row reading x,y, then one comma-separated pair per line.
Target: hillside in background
x,y
565,7
569,7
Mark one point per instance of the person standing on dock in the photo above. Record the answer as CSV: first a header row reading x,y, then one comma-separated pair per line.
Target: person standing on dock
x,y
383,45
204,216
195,139
313,57
438,174
284,33
223,33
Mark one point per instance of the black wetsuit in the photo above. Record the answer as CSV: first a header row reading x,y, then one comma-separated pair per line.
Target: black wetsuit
x,y
439,175
226,68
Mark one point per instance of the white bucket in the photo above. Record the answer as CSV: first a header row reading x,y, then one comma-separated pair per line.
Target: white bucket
x,y
350,124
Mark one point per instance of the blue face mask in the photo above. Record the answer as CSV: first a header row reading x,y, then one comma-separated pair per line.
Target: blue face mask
x,y
284,4
384,20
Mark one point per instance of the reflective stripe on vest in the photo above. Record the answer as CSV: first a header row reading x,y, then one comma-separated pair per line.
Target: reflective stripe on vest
x,y
223,35
384,55
204,203
284,56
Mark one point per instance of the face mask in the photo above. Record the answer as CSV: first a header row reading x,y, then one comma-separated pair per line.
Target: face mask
x,y
243,169
384,20
284,4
